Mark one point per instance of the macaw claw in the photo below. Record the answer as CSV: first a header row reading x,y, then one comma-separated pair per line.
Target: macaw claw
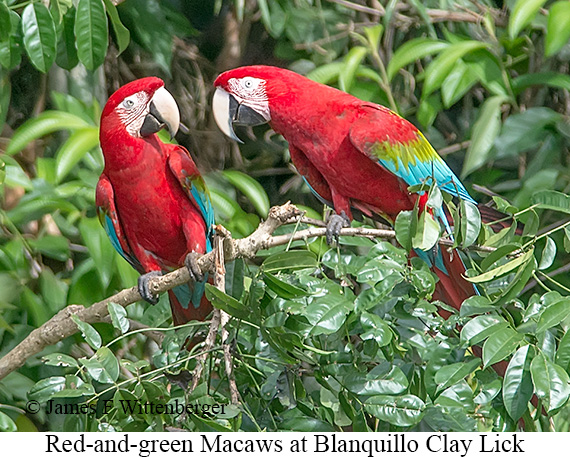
x,y
191,262
144,289
335,223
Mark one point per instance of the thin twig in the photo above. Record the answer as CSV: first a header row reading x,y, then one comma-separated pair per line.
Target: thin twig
x,y
220,284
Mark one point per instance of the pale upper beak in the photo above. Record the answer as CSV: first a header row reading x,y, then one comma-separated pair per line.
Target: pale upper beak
x,y
163,113
229,111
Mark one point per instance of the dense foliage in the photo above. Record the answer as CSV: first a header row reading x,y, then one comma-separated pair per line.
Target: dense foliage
x,y
322,338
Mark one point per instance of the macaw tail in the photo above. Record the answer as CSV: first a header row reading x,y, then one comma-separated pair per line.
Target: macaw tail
x,y
497,219
189,303
452,287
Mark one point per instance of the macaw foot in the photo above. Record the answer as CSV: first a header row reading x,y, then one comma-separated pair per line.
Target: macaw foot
x,y
334,224
144,289
191,263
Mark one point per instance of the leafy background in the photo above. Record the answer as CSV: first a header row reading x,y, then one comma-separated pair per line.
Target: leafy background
x,y
323,339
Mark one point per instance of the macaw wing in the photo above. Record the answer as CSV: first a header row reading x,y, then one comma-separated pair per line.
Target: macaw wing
x,y
402,149
312,177
109,218
185,171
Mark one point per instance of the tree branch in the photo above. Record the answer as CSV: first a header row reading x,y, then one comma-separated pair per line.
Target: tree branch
x,y
61,325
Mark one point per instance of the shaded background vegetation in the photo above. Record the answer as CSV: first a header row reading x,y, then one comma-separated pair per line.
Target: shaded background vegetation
x,y
324,339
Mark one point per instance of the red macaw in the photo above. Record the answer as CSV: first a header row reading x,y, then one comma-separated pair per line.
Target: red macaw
x,y
353,154
151,199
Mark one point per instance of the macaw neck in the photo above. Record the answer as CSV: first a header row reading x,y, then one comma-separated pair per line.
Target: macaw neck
x,y
122,151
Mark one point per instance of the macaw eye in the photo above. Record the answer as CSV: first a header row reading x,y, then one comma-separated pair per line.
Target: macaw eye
x,y
248,83
128,103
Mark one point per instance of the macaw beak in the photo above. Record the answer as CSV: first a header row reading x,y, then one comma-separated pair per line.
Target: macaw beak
x,y
229,111
163,113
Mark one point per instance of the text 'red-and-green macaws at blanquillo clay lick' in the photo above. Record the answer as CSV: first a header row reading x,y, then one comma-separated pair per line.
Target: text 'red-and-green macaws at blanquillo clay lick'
x,y
151,198
353,154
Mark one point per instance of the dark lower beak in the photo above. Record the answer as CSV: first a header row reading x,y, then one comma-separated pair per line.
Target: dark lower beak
x,y
244,115
162,113
153,122
229,112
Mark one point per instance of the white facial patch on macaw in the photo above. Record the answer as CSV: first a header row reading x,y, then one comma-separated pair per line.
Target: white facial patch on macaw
x,y
251,92
132,111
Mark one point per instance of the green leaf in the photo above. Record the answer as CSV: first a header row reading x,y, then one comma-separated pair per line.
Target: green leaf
x,y
39,35
66,51
31,210
55,247
477,304
326,319
457,83
485,130
6,423
547,78
384,379
517,384
403,411
229,304
326,74
553,315
44,389
470,222
2,172
375,328
122,34
88,332
553,200
548,254
103,367
10,53
411,51
404,229
563,352
449,419
74,149
46,123
522,14
74,387
427,233
451,374
69,386
503,269
283,289
524,131
91,33
290,261
374,34
480,327
558,29
429,109
435,197
567,238
551,382
251,189
500,345
56,359
351,63
439,69
100,248
118,317
5,22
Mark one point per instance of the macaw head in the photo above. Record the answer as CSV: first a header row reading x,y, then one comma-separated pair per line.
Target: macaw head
x,y
247,95
140,108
